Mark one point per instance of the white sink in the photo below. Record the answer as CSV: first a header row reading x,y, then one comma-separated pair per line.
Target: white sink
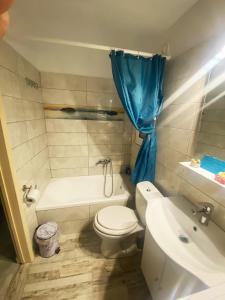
x,y
197,248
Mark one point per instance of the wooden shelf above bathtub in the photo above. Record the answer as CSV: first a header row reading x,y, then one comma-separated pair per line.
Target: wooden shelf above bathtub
x,y
119,110
81,112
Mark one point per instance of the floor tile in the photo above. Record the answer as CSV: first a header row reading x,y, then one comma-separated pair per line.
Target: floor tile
x,y
80,272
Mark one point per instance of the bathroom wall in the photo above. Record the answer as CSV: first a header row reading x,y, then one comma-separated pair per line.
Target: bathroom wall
x,y
26,125
178,126
76,145
203,21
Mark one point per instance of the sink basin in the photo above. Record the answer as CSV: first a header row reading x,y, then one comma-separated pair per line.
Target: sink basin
x,y
197,248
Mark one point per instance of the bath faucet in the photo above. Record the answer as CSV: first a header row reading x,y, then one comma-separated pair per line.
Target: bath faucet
x,y
103,161
205,210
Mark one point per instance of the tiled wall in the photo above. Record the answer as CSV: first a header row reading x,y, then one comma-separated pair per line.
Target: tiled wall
x,y
25,119
177,131
76,145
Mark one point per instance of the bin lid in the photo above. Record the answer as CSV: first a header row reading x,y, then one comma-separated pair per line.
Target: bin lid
x,y
47,230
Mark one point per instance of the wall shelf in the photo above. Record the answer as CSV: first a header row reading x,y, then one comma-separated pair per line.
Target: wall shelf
x,y
81,112
202,172
100,108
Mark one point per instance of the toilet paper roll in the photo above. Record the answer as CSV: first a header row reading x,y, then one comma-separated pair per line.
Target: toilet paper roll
x,y
33,196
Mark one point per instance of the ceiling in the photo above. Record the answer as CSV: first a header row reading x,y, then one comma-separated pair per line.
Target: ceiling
x,y
129,24
96,21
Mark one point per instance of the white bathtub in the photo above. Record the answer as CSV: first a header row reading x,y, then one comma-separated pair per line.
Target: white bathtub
x,y
72,202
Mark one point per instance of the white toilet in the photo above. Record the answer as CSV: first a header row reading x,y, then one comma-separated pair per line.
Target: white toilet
x,y
119,226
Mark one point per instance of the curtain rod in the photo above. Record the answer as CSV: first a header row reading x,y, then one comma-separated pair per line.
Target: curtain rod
x,y
92,46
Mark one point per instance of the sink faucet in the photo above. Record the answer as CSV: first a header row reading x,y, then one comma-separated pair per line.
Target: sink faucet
x,y
205,210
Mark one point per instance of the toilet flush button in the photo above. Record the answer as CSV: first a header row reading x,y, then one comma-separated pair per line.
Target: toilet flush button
x,y
148,190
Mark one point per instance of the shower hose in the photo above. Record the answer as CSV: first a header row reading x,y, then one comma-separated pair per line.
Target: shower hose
x,y
105,178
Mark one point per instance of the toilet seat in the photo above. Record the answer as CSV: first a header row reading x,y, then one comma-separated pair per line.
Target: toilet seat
x,y
116,220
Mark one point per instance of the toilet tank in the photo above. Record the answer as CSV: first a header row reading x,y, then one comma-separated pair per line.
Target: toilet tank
x,y
145,192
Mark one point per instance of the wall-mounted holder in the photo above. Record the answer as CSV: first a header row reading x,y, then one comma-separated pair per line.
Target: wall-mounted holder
x,y
31,83
26,189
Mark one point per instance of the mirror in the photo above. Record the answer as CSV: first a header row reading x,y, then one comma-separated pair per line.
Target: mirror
x,y
211,133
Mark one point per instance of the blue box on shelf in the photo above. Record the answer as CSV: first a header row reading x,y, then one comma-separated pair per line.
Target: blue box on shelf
x,y
212,164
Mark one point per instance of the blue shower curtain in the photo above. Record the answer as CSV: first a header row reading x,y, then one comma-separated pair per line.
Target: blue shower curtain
x,y
139,82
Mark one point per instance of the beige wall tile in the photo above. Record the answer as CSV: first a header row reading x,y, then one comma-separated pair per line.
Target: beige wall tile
x,y
100,84
69,172
42,177
40,159
22,154
167,181
39,143
98,150
29,113
33,110
213,113
35,128
57,96
25,174
68,162
217,127
65,137
23,103
8,57
67,151
174,138
98,170
60,125
58,139
105,126
9,83
29,93
170,158
63,214
74,226
219,104
14,109
180,116
127,138
177,132
18,133
211,139
26,69
38,110
63,81
127,149
178,92
102,139
98,99
31,219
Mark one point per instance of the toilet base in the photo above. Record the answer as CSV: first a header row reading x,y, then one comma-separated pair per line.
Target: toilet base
x,y
114,248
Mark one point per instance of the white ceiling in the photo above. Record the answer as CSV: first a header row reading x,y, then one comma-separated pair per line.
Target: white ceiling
x,y
130,24
96,21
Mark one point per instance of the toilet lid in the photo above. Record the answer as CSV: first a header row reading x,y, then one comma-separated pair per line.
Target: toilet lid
x,y
116,219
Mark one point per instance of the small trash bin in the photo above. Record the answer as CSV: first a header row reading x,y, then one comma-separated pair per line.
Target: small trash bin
x,y
46,237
